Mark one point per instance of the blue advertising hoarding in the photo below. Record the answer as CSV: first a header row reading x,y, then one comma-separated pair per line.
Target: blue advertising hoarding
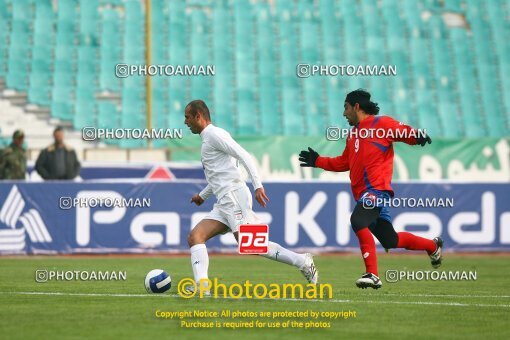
x,y
47,218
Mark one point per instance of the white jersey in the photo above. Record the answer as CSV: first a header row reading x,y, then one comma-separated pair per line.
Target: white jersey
x,y
222,176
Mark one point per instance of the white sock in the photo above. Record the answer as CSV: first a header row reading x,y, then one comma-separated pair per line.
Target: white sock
x,y
278,253
199,262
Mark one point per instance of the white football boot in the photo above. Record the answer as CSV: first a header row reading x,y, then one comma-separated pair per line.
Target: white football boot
x,y
369,280
309,270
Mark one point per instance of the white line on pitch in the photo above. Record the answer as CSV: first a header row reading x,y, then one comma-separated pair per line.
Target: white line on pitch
x,y
447,295
84,294
454,304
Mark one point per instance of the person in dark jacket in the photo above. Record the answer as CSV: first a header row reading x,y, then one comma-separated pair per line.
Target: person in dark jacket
x,y
58,161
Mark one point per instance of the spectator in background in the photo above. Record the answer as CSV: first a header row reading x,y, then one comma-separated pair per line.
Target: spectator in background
x,y
58,161
13,161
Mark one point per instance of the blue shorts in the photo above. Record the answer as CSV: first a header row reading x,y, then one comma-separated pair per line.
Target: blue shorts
x,y
381,200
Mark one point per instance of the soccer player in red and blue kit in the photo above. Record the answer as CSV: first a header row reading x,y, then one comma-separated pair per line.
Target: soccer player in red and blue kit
x,y
369,158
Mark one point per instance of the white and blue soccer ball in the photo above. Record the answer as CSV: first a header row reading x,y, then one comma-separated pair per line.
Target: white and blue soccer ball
x,y
157,281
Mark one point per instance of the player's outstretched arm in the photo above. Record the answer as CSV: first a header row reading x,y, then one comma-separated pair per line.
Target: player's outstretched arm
x,y
311,158
404,133
261,197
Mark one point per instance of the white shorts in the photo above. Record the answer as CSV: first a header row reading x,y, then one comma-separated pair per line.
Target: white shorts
x,y
234,209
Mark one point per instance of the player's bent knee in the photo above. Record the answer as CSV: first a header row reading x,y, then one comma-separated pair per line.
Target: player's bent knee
x,y
190,240
389,243
194,238
386,234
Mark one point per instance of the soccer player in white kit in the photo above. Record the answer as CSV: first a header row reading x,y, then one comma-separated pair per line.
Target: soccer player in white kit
x,y
234,201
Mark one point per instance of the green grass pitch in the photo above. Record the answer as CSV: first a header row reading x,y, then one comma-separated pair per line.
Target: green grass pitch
x,y
122,309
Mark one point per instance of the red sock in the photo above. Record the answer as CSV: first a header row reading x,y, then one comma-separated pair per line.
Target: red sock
x,y
413,242
367,246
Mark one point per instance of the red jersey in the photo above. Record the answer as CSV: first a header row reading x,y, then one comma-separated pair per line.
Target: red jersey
x,y
368,153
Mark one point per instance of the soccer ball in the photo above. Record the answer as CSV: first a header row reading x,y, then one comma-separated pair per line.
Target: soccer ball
x,y
157,281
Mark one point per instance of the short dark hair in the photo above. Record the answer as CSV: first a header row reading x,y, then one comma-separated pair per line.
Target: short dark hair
x,y
58,128
362,97
196,106
18,134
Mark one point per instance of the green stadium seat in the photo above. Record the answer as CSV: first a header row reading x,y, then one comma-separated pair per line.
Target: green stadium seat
x,y
87,67
88,17
200,85
112,2
44,22
159,32
64,79
62,93
65,33
293,123
5,14
246,113
40,80
67,11
21,53
223,109
87,54
309,31
159,109
488,85
107,78
3,63
134,54
405,111
108,116
412,13
352,31
62,110
132,98
453,5
40,95
133,118
176,104
449,116
22,10
471,116
17,75
85,114
428,116
85,94
41,66
330,28
177,33
288,45
270,119
86,79
223,91
42,52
